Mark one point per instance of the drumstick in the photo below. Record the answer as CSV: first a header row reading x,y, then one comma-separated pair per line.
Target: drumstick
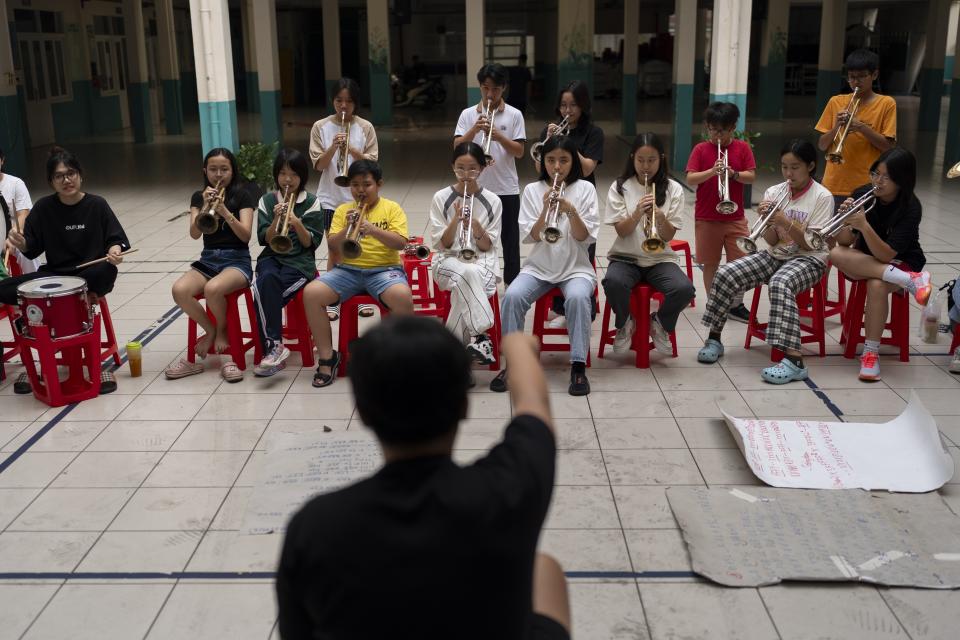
x,y
99,260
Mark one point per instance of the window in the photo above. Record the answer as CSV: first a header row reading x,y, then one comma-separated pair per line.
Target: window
x,y
41,63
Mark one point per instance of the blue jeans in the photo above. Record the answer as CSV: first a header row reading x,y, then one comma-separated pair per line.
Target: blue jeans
x,y
578,302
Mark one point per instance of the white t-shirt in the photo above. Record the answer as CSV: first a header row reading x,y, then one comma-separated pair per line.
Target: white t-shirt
x,y
15,193
501,178
487,209
566,258
363,138
811,208
621,207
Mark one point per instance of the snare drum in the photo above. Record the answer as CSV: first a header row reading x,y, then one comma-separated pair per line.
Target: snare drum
x,y
58,303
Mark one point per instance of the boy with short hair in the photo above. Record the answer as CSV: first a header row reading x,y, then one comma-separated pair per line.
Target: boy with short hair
x,y
15,202
377,271
500,176
425,548
715,231
872,131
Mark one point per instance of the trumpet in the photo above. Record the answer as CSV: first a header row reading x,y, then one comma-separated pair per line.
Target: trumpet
x,y
207,220
414,248
551,229
835,155
342,180
817,239
726,205
467,252
748,244
653,243
536,151
281,242
351,245
489,113
954,171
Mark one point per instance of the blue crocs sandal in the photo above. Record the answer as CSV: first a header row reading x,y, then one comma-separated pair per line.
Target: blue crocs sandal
x,y
783,373
711,351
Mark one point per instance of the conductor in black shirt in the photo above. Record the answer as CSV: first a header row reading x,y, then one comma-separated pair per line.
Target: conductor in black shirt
x,y
425,548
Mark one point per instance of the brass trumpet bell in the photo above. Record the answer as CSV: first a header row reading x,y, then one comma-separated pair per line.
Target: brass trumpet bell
x,y
954,171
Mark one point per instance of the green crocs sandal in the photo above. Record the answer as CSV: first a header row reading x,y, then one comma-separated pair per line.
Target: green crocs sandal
x,y
783,372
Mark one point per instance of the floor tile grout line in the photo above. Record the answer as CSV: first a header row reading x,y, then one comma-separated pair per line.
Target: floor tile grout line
x,y
769,613
893,613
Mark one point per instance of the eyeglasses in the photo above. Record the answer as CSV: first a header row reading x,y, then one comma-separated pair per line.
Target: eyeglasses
x,y
857,77
879,178
466,174
67,175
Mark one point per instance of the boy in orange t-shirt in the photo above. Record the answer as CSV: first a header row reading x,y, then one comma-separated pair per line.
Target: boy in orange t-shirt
x,y
872,131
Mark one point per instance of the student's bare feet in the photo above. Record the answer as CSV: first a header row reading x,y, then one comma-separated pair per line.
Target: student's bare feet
x,y
203,344
221,343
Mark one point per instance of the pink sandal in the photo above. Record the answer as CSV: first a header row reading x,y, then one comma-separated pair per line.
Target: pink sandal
x,y
230,372
183,369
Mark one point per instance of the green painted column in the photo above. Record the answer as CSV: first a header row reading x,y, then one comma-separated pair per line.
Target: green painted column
x,y
213,57
951,146
474,12
251,67
266,56
138,90
773,59
704,17
331,49
575,20
931,73
378,54
684,75
168,67
628,106
833,20
13,123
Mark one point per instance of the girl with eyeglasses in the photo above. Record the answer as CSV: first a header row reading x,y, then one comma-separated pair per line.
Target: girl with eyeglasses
x,y
882,246
471,283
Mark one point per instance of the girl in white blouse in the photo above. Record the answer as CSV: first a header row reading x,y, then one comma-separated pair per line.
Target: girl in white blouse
x,y
465,260
629,209
564,263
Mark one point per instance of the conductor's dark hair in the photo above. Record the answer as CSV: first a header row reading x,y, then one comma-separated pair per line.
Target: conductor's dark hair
x,y
60,155
724,114
364,167
404,358
297,163
495,72
569,145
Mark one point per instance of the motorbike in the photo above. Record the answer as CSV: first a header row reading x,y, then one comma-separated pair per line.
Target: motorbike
x,y
426,92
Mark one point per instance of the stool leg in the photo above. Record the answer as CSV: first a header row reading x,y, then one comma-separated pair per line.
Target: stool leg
x,y
854,319
605,330
641,337
495,333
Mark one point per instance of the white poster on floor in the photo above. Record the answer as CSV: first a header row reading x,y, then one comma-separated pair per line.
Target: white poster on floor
x,y
905,454
300,466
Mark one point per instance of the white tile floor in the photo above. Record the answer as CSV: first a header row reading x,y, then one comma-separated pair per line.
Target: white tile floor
x,y
154,478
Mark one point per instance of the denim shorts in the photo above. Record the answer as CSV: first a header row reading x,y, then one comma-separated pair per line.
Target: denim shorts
x,y
349,281
212,262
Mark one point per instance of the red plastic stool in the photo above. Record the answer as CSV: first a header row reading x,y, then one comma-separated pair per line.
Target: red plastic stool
x,y
494,332
241,341
8,349
76,353
640,298
899,325
349,326
540,329
834,307
296,331
682,246
109,346
810,305
956,339
427,297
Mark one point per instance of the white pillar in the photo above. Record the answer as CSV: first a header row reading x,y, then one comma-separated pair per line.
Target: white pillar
x,y
378,55
475,47
332,66
631,28
267,58
833,22
773,59
730,54
169,68
684,75
213,58
138,85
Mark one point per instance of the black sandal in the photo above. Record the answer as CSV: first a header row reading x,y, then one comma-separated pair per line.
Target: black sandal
x,y
108,382
326,379
579,385
499,384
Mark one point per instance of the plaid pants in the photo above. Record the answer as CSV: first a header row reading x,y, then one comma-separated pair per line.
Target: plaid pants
x,y
784,279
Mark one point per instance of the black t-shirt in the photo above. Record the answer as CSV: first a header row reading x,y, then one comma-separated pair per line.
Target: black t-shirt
x,y
224,237
423,549
518,77
72,234
899,229
589,139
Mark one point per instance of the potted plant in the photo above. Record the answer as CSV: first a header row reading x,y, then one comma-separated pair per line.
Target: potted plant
x,y
255,160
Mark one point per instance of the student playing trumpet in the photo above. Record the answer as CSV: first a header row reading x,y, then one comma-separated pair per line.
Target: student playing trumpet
x,y
788,266
644,190
286,264
465,225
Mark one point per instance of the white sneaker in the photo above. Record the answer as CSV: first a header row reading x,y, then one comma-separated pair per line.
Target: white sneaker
x,y
271,362
955,363
560,322
661,339
481,350
624,338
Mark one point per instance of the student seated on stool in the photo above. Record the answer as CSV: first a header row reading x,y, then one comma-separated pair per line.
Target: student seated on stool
x,y
425,548
377,270
876,243
788,266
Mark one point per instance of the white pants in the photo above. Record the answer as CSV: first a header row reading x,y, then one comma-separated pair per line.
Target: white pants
x,y
26,264
470,287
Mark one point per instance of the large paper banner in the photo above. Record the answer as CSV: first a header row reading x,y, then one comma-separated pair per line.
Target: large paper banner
x,y
905,454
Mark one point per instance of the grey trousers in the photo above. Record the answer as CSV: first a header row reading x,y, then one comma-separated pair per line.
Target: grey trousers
x,y
666,277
